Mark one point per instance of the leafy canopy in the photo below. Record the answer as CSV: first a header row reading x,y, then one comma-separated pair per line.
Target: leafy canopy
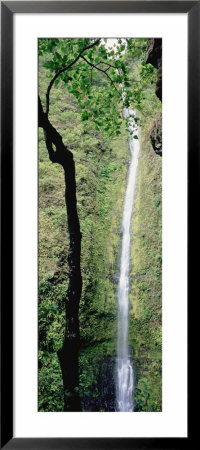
x,y
95,71
94,76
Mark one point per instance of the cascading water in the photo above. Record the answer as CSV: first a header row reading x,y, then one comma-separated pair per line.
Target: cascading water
x,y
125,375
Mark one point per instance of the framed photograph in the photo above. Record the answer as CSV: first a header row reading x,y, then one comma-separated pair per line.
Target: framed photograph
x,y
99,152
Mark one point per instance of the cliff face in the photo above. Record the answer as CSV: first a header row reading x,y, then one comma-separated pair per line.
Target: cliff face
x,y
101,170
154,57
156,136
145,326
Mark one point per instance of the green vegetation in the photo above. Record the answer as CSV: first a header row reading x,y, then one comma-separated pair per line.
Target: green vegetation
x,y
101,158
145,295
146,289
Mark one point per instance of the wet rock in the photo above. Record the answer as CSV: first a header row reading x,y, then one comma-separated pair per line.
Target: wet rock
x,y
156,136
154,57
100,395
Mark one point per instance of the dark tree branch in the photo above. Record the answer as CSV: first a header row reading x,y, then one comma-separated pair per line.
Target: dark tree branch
x,y
98,68
68,354
107,64
51,135
64,69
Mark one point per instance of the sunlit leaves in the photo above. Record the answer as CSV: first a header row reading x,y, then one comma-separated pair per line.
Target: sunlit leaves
x,y
96,79
46,45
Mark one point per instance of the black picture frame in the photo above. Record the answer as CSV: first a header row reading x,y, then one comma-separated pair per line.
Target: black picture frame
x,y
8,9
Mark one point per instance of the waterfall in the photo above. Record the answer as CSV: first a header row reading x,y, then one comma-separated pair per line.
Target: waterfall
x,y
125,375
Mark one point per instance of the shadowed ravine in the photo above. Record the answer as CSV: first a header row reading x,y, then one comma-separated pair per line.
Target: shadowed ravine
x,y
125,374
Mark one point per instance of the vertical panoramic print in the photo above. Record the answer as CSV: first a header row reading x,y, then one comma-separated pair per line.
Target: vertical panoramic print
x,y
100,225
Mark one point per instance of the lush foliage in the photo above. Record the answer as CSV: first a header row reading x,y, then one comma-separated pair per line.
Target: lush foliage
x,y
85,106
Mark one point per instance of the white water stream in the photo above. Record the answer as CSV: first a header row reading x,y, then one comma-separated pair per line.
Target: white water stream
x,y
125,375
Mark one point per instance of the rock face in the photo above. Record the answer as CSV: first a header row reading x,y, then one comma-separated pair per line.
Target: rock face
x,y
156,136
154,57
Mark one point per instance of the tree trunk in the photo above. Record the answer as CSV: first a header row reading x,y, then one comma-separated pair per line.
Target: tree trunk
x,y
68,354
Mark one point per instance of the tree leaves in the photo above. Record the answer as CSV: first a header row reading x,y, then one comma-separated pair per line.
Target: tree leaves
x,y
96,79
